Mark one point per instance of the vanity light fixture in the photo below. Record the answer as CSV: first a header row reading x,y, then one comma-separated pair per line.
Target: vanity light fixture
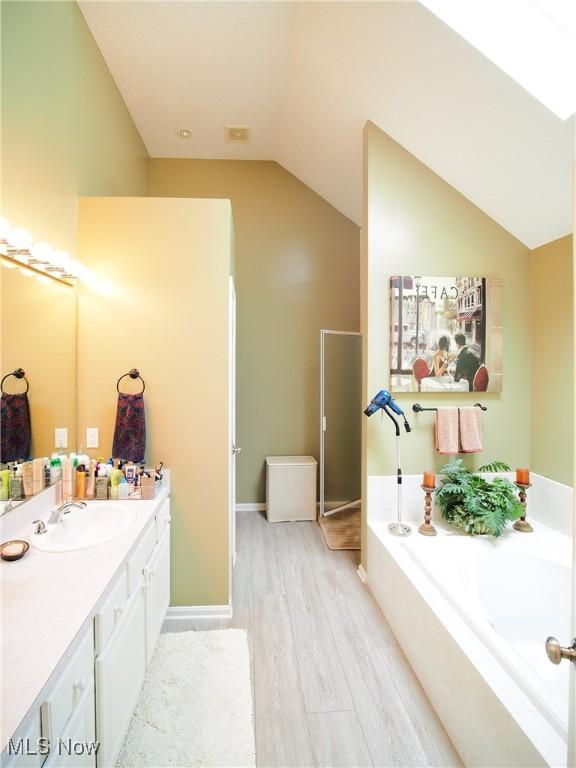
x,y
18,249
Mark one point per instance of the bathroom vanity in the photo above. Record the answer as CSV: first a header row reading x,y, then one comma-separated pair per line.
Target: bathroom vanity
x,y
78,630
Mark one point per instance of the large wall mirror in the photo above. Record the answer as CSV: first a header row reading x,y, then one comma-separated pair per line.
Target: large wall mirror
x,y
38,336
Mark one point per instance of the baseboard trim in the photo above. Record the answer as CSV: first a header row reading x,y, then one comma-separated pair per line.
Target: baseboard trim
x,y
362,575
180,612
251,507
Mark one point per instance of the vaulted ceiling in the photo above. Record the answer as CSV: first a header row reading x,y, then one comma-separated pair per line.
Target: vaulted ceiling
x,y
306,76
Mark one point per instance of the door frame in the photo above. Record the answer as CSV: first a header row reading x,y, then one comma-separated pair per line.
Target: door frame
x,y
231,429
323,334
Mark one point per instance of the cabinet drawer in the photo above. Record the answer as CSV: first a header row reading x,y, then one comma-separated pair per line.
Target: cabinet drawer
x,y
109,615
139,557
163,519
66,695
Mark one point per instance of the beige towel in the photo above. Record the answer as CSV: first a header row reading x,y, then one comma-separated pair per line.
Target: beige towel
x,y
447,431
470,429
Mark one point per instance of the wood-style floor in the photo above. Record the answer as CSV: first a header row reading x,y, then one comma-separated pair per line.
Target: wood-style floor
x,y
331,685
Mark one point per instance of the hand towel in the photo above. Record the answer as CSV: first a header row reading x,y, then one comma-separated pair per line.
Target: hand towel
x,y
15,427
447,431
130,430
470,420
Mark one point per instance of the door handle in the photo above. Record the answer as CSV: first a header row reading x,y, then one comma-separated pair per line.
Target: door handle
x,y
236,449
556,652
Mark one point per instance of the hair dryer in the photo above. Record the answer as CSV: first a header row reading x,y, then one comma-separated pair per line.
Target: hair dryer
x,y
384,400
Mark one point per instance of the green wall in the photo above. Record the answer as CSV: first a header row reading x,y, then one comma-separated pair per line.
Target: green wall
x,y
552,307
417,224
66,131
296,271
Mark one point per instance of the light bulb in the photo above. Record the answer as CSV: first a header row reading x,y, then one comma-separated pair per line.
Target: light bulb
x,y
42,252
61,259
43,279
75,267
5,228
20,238
26,272
87,276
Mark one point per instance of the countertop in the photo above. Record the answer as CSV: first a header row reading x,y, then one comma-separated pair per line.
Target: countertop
x,y
47,598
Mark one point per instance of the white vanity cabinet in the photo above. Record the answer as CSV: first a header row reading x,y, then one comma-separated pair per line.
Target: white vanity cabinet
x,y
127,628
84,710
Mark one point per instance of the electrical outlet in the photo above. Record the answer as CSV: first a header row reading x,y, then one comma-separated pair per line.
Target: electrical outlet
x,y
92,437
61,437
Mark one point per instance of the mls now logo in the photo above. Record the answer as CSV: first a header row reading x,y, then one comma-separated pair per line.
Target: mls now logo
x,y
42,747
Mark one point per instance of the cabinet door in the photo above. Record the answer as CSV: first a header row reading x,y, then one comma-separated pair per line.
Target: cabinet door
x,y
119,677
76,746
27,749
157,580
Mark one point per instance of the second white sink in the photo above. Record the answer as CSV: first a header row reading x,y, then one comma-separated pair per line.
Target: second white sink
x,y
84,528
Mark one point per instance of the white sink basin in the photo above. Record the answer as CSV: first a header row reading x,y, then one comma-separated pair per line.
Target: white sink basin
x,y
84,528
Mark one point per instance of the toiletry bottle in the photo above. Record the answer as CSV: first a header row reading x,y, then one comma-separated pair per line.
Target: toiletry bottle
x,y
115,479
4,484
28,478
55,468
123,488
67,484
15,488
37,475
91,479
80,481
102,484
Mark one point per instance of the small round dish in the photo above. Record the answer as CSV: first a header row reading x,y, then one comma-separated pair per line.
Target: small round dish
x,y
14,549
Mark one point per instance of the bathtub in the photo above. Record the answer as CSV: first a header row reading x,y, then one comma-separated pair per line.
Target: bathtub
x,y
472,615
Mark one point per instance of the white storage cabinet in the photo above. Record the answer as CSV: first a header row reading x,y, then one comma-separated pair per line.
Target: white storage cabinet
x,y
290,488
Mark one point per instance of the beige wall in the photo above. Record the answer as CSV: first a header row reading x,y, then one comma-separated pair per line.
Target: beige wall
x,y
296,271
65,129
419,224
551,307
167,316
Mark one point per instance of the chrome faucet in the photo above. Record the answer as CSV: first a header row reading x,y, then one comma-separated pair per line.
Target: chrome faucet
x,y
57,515
10,504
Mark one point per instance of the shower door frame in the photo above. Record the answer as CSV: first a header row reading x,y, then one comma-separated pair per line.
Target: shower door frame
x,y
352,503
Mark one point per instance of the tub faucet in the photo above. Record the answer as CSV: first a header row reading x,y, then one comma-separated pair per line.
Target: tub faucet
x,y
57,515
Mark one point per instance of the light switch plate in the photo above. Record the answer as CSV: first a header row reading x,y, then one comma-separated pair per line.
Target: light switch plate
x,y
61,437
92,437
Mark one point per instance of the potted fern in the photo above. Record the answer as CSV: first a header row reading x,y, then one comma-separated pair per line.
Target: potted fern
x,y
475,504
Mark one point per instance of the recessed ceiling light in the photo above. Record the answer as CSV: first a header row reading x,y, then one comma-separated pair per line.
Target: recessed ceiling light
x,y
185,133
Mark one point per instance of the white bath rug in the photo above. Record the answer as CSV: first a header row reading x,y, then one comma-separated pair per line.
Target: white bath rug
x,y
195,707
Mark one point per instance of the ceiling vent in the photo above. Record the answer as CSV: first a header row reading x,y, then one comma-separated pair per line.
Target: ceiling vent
x,y
237,134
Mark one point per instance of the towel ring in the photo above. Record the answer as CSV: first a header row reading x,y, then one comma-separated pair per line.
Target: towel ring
x,y
19,373
134,373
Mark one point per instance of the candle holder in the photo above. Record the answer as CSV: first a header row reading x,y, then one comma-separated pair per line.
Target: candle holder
x,y
522,524
427,529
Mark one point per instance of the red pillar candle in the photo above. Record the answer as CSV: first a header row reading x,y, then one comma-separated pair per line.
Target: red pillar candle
x,y
523,476
429,480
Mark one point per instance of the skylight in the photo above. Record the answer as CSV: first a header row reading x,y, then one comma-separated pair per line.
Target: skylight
x,y
532,41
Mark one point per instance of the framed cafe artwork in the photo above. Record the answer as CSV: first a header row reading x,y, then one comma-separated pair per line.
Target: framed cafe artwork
x,y
445,334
